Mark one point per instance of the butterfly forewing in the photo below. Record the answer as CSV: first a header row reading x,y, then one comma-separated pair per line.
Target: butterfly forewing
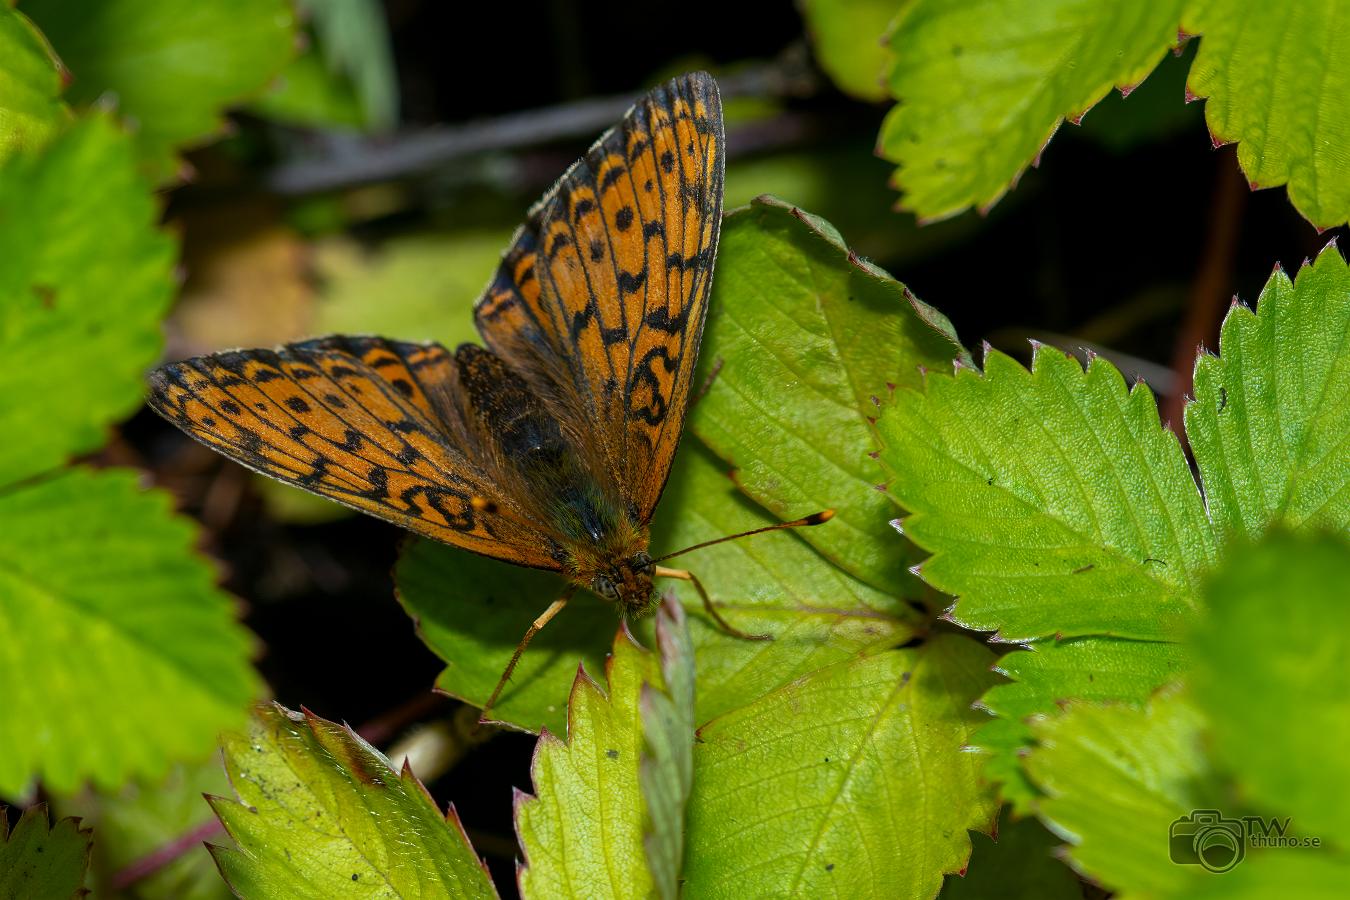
x,y
601,299
357,420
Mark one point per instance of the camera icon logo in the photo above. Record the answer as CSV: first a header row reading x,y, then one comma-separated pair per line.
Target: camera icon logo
x,y
1205,838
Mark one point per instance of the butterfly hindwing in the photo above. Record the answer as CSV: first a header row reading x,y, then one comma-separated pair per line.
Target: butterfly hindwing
x,y
357,420
601,298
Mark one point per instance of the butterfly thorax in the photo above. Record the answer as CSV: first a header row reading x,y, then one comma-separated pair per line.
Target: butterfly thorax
x,y
618,569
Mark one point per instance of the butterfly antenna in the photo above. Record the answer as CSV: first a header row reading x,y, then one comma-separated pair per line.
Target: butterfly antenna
x,y
819,518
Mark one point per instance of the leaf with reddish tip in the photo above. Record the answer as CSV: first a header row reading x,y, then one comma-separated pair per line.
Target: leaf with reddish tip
x,y
849,782
1277,79
1016,863
321,813
806,335
583,833
982,87
41,862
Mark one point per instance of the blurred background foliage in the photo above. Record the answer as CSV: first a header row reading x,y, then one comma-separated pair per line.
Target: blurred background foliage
x,y
358,166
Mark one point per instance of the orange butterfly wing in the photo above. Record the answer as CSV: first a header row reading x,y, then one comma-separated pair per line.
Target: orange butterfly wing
x,y
362,421
601,299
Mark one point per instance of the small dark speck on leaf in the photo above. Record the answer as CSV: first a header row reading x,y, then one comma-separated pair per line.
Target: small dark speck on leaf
x,y
829,867
827,759
1223,397
356,877
989,481
1081,569
1091,677
612,754
904,677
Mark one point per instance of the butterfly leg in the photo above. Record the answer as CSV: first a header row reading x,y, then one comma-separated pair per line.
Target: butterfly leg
x,y
554,608
685,575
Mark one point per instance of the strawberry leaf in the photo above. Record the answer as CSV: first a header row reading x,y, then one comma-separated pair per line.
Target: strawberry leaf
x,y
110,619
1115,778
38,862
983,88
820,787
1278,82
1271,412
31,111
204,56
583,831
85,282
321,813
1291,701
1054,500
794,386
1090,668
1055,504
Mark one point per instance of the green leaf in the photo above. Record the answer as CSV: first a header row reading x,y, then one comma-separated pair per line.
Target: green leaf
x,y
1090,668
38,862
768,584
1115,778
790,404
354,40
427,284
472,611
849,782
141,819
1271,413
1305,874
1278,82
582,833
1054,500
1017,863
109,619
347,76
308,94
982,87
171,66
1271,674
31,111
84,282
667,767
321,813
849,39
1054,503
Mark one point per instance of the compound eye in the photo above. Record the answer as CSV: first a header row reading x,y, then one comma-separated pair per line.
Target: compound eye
x,y
643,563
604,586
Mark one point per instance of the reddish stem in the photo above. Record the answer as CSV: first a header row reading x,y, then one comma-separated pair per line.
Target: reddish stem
x,y
161,856
1211,288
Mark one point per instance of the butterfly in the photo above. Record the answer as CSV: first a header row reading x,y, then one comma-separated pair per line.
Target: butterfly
x,y
549,445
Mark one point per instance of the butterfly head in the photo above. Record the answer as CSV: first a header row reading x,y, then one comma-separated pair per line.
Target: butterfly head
x,y
628,582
